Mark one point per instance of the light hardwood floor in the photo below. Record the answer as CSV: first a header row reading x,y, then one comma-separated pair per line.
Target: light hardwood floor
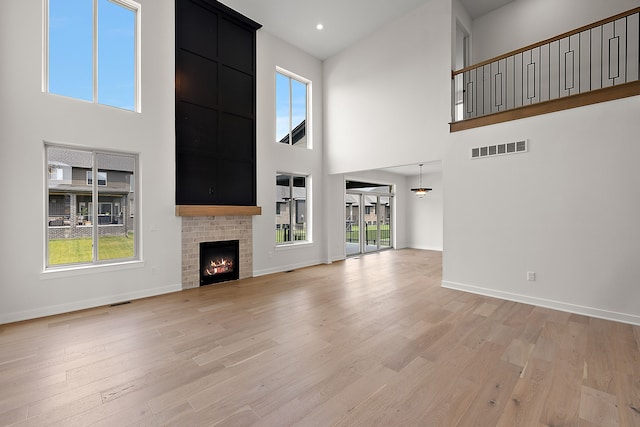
x,y
373,341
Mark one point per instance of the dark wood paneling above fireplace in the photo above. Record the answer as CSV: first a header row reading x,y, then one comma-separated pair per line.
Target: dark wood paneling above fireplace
x,y
215,105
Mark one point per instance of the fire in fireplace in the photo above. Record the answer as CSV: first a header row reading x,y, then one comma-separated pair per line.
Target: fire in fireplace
x,y
219,261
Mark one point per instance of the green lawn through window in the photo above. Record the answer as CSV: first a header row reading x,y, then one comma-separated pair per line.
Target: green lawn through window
x,y
72,251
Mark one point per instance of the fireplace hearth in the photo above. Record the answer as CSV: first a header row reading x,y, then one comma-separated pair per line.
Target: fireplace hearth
x,y
219,261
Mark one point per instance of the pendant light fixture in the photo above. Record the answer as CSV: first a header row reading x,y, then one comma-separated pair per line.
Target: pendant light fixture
x,y
421,191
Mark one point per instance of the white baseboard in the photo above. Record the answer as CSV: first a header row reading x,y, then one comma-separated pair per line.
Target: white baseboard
x,y
287,267
336,259
541,302
84,304
428,248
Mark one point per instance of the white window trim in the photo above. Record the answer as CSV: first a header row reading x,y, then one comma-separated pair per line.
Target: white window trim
x,y
128,4
308,121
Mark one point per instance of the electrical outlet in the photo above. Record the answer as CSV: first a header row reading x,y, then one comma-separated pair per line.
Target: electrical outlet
x,y
531,276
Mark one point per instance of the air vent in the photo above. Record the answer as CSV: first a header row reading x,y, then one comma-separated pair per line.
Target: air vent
x,y
499,149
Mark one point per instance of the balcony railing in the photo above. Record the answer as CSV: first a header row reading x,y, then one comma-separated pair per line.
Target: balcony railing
x,y
594,63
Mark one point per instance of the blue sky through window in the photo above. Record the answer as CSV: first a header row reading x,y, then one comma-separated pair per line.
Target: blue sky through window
x,y
299,103
291,104
70,48
71,51
282,106
116,55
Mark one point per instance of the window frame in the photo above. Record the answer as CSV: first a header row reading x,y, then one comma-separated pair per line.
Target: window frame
x,y
308,122
93,212
294,217
127,4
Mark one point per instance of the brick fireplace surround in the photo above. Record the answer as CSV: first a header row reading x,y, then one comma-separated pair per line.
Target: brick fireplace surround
x,y
196,229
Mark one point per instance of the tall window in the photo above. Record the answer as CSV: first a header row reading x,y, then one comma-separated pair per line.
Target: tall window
x,y
92,51
291,209
292,107
95,223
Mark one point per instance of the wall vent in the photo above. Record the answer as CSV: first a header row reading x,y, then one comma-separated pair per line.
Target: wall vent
x,y
500,149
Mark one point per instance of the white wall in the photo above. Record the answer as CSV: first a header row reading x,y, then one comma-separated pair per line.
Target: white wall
x,y
277,157
424,216
567,210
29,117
387,97
386,105
524,22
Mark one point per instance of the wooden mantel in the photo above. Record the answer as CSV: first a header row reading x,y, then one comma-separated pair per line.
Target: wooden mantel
x,y
217,210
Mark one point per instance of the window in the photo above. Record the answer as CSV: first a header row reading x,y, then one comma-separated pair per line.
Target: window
x,y
92,51
292,109
95,224
102,178
291,209
56,173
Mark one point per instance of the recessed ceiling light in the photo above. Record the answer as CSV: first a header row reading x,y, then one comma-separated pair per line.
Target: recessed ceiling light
x,y
319,26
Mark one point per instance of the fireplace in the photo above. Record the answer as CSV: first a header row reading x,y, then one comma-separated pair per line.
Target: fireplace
x,y
219,261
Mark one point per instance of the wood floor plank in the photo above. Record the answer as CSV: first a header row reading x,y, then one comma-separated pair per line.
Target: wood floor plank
x,y
14,416
628,396
493,396
598,407
600,364
346,400
564,396
527,399
369,341
383,407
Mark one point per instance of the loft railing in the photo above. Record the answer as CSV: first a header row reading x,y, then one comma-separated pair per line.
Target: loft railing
x,y
594,63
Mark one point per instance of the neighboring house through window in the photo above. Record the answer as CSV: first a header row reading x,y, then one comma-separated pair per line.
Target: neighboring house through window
x,y
56,173
102,178
292,221
92,51
292,109
95,223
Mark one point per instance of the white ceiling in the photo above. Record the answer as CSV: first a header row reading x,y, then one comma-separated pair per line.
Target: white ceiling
x,y
345,21
414,169
477,8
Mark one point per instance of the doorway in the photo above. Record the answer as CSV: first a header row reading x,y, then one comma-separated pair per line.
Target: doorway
x,y
368,217
462,59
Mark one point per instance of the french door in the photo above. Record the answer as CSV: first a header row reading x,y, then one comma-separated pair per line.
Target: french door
x,y
368,222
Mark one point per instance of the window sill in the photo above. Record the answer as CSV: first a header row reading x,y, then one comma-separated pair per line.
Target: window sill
x,y
71,271
291,246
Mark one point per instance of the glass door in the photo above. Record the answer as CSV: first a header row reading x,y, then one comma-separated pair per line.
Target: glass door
x,y
352,224
368,221
384,222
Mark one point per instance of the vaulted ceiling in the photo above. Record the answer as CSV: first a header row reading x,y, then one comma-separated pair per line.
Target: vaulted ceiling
x,y
344,21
